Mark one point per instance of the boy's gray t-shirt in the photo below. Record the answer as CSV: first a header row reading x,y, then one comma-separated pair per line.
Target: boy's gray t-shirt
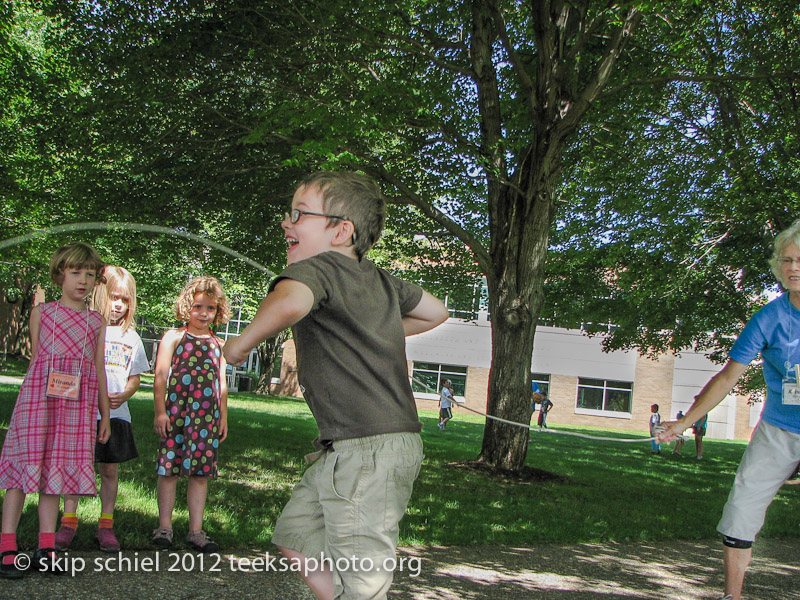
x,y
351,349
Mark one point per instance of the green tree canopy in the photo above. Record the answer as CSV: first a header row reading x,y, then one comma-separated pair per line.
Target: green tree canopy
x,y
597,163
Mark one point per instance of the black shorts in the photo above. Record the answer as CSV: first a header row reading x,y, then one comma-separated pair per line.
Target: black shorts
x,y
445,413
699,431
120,446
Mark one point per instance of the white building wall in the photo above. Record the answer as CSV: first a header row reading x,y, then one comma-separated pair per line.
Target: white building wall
x,y
555,350
692,372
569,352
454,342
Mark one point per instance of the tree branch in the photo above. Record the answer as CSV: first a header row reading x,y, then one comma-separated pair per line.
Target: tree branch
x,y
792,75
573,114
526,83
473,243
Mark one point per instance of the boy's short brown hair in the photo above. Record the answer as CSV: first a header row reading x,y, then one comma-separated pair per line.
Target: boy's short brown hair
x,y
357,198
75,256
206,285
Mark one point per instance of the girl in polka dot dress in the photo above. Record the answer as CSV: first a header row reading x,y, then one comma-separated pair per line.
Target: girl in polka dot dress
x,y
191,406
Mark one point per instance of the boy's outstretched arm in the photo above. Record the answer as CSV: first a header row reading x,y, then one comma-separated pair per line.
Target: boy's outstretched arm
x,y
427,314
284,306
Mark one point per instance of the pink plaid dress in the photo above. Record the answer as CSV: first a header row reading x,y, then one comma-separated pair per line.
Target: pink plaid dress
x,y
49,447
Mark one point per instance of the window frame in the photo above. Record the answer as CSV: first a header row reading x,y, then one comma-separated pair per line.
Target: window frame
x,y
539,379
614,414
442,374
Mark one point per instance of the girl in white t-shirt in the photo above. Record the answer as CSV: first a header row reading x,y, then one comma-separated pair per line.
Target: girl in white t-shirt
x,y
124,360
445,402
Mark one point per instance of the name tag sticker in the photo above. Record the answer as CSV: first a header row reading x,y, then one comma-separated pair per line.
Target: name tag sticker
x,y
791,393
63,385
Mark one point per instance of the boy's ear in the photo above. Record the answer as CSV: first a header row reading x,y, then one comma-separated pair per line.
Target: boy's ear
x,y
345,232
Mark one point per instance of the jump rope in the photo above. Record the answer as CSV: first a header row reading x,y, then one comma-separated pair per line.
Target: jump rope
x,y
658,428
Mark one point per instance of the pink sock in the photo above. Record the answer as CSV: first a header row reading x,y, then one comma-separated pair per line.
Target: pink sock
x,y
8,541
47,540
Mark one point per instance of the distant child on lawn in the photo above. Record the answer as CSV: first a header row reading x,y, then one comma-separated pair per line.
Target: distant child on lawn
x,y
49,447
349,321
191,407
445,404
655,421
125,360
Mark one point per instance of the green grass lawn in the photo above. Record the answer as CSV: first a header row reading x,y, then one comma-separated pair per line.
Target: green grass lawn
x,y
606,490
14,366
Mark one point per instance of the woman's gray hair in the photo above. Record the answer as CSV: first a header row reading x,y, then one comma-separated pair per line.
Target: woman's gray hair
x,y
791,235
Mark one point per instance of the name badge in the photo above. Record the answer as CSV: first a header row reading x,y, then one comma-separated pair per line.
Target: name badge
x,y
63,385
791,393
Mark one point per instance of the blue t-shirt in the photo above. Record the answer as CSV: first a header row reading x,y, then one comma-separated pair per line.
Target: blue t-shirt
x,y
773,332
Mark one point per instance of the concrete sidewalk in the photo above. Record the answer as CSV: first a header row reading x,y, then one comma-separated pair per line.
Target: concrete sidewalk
x,y
683,570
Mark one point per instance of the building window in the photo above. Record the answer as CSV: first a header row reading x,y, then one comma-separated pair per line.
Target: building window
x,y
427,378
543,381
236,324
604,398
469,302
232,328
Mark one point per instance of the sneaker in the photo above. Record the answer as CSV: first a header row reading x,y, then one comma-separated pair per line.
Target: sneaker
x,y
162,537
107,540
727,597
441,428
64,537
200,541
10,571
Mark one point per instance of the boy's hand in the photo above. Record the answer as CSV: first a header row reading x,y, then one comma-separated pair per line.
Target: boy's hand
x,y
115,400
104,430
233,353
162,426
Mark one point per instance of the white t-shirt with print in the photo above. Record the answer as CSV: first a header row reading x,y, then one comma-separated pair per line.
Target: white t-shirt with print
x,y
124,357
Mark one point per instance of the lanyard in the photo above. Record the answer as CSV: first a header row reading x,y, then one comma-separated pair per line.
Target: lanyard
x,y
53,343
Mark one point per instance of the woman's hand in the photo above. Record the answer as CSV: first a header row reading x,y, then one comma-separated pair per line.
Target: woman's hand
x,y
672,429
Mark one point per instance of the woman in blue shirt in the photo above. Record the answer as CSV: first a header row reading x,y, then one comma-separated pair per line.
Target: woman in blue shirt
x,y
774,450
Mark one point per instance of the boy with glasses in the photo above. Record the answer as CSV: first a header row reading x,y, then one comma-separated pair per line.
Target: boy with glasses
x,y
349,320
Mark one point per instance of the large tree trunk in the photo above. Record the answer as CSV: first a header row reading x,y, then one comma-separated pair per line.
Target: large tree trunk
x,y
515,301
520,196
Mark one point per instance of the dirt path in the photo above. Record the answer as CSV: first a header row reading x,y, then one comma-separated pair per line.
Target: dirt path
x,y
674,570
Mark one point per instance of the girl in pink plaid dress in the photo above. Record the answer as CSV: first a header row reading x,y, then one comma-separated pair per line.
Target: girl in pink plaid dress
x,y
49,447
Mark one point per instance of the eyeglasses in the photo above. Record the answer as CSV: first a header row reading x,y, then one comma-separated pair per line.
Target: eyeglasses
x,y
787,261
296,213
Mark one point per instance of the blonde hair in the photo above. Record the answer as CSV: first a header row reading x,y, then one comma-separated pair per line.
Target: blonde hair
x,y
116,279
783,239
75,256
204,285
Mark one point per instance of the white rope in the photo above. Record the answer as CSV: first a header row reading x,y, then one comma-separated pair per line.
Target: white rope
x,y
658,429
